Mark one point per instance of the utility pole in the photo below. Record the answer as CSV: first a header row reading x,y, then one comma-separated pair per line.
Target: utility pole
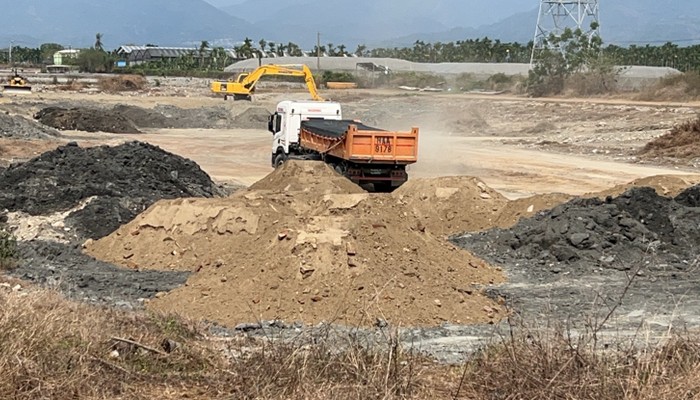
x,y
557,15
318,51
12,42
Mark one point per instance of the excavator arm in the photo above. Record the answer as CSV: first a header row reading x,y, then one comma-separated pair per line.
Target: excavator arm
x,y
244,87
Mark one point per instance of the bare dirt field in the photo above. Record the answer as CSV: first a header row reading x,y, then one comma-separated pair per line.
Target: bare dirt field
x,y
480,160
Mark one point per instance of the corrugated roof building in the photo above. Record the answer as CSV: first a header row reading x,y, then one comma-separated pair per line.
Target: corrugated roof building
x,y
141,54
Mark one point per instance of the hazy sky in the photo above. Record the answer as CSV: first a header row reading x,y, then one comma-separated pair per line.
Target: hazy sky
x,y
220,3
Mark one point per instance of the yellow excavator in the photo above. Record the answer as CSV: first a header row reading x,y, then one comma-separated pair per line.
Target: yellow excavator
x,y
243,86
16,84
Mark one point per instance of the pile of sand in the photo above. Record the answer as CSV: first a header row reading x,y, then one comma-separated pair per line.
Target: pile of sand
x,y
309,177
307,247
451,204
665,185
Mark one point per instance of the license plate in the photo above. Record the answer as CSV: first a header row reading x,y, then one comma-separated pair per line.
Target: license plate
x,y
383,145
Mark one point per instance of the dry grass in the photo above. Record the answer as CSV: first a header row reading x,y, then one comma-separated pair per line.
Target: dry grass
x,y
682,143
57,349
123,83
679,87
555,365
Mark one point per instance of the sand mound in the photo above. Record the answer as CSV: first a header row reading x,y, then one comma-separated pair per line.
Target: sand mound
x,y
665,185
252,118
123,83
449,205
682,142
306,176
527,207
306,255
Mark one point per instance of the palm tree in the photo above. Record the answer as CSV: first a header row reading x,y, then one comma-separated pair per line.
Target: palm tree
x,y
98,42
203,47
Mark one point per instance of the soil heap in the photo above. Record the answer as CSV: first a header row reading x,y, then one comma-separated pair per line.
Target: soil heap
x,y
86,119
583,235
111,185
299,246
681,143
310,177
448,205
252,118
18,127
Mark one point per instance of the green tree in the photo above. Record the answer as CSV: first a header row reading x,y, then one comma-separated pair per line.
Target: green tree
x,y
569,53
93,60
203,48
48,50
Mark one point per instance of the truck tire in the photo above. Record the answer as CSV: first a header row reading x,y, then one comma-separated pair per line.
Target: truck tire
x,y
280,159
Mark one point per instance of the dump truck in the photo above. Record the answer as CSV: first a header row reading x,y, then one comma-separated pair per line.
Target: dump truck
x,y
365,155
243,86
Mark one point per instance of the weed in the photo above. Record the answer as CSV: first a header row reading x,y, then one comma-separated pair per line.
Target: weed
x,y
8,250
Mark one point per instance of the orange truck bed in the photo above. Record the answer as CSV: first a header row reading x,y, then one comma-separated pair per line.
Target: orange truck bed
x,y
353,141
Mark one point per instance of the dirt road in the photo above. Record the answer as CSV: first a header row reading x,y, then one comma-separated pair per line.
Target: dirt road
x,y
241,156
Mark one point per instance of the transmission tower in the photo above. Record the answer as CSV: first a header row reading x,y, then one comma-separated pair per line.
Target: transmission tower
x,y
557,15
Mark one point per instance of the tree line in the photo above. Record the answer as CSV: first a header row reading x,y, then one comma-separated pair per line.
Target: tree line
x,y
484,50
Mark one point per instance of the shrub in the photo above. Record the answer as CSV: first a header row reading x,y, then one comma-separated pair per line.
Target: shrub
x,y
8,250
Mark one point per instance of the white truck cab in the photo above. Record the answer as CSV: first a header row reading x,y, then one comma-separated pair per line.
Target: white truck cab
x,y
285,123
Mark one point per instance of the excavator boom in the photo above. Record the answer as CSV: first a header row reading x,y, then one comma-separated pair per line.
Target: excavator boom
x,y
244,86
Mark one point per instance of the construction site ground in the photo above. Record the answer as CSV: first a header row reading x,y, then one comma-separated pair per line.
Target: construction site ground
x,y
499,150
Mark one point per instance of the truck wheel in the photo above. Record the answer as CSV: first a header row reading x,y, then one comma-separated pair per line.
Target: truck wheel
x,y
280,159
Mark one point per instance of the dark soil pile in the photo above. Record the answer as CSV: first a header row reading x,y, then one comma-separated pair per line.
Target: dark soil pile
x,y
682,142
167,116
17,127
143,117
83,278
126,179
86,119
690,198
588,234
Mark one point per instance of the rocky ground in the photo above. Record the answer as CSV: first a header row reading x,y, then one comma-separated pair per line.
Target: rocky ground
x,y
330,257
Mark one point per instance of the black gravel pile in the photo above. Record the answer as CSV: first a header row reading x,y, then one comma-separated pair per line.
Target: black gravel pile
x,y
83,278
585,235
125,179
18,127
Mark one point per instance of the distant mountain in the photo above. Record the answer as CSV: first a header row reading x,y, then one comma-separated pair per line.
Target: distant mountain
x,y
75,22
623,22
366,21
349,22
